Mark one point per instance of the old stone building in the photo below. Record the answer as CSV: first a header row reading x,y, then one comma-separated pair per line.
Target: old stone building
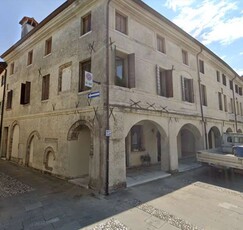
x,y
161,94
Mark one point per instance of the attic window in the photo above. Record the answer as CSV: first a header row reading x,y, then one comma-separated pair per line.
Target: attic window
x,y
12,68
30,58
86,24
48,46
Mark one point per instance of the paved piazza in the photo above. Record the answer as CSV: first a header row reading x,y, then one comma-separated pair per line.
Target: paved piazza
x,y
197,199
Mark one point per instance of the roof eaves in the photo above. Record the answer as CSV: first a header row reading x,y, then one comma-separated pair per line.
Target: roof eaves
x,y
39,26
170,23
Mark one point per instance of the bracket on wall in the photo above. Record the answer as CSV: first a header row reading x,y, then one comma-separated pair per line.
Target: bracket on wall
x,y
53,106
151,106
172,68
135,104
40,74
91,47
164,109
77,104
112,114
96,113
111,43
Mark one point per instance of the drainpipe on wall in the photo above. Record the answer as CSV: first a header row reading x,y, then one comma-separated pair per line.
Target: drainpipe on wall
x,y
233,92
2,107
200,96
107,100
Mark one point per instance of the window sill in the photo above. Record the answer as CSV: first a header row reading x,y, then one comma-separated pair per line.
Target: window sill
x,y
83,35
124,34
47,55
160,52
84,92
45,101
29,65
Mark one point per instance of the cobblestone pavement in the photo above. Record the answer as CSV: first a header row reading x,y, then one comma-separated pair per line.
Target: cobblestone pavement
x,y
10,186
192,200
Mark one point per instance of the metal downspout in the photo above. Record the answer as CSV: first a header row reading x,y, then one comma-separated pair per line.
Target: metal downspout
x,y
233,91
200,96
107,100
2,108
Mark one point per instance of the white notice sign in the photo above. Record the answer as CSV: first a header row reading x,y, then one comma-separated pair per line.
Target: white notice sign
x,y
88,79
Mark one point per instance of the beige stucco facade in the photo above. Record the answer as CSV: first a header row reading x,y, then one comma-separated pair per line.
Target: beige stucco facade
x,y
65,134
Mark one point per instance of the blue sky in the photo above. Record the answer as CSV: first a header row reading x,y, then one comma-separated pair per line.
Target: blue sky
x,y
215,23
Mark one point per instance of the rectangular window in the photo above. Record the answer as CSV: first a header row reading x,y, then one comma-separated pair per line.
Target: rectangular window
x,y
86,24
240,91
9,99
224,79
220,101
201,66
218,76
25,93
2,80
187,89
45,87
184,57
237,108
225,104
121,23
83,66
48,46
232,105
125,70
161,44
64,80
204,95
12,68
30,57
236,89
231,85
137,138
166,83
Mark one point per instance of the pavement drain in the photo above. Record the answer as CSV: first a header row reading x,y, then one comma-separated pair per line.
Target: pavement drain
x,y
167,217
111,224
10,186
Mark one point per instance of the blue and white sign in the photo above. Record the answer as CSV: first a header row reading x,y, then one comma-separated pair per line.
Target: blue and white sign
x,y
94,94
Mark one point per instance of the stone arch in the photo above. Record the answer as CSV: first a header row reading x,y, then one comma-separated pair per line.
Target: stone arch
x,y
29,150
214,138
229,130
188,140
80,145
239,131
146,138
49,158
75,129
14,140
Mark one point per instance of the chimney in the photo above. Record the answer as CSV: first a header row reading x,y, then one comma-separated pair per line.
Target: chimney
x,y
27,25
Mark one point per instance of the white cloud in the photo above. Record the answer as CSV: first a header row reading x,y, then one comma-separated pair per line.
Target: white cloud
x,y
241,53
174,4
207,20
239,71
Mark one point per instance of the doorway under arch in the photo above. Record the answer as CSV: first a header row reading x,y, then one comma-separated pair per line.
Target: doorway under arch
x,y
32,145
14,150
188,141
214,138
80,149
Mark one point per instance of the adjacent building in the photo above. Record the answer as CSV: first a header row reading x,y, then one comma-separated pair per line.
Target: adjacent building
x,y
160,95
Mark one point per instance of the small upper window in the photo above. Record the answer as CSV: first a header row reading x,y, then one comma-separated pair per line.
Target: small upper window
x,y
224,79
218,76
30,58
161,44
48,46
86,24
184,57
201,66
12,68
121,23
